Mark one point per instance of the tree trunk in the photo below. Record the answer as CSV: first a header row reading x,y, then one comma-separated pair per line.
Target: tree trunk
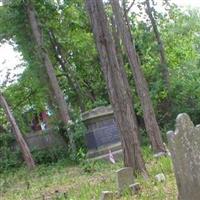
x,y
19,138
118,89
116,39
140,82
59,97
163,60
66,69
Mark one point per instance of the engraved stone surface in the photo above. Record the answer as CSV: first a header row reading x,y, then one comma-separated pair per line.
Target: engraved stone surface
x,y
124,178
184,145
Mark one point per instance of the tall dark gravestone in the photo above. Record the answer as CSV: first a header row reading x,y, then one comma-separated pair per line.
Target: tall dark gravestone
x,y
102,134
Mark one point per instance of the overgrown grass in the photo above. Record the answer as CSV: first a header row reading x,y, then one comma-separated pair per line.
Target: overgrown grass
x,y
64,180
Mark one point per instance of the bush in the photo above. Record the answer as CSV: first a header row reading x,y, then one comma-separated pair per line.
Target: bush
x,y
76,128
50,155
9,157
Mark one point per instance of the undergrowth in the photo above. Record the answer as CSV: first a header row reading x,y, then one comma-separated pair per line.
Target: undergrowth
x,y
65,180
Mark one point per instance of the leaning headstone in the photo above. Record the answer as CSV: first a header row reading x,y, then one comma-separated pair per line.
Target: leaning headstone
x,y
184,146
124,178
107,195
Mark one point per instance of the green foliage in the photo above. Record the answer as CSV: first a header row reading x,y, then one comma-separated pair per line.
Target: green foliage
x,y
87,165
78,130
9,157
68,20
50,155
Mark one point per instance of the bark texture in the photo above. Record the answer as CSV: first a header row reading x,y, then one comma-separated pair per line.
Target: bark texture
x,y
19,138
140,82
163,60
118,88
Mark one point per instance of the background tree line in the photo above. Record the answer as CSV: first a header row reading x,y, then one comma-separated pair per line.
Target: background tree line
x,y
167,45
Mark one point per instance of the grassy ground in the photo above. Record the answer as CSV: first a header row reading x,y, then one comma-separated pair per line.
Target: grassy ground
x,y
64,181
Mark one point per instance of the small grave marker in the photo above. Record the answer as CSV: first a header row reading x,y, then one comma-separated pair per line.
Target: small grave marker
x,y
124,178
107,195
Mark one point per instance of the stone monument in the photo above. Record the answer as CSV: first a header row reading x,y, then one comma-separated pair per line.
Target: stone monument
x,y
184,145
102,133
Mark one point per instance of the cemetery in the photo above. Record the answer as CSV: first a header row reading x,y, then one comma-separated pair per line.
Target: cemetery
x,y
177,173
99,100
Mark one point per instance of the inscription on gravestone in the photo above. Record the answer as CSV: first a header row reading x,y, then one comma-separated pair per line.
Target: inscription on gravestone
x,y
184,144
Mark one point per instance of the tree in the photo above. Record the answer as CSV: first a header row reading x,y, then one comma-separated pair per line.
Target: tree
x,y
163,60
118,88
19,138
37,34
59,55
59,97
140,82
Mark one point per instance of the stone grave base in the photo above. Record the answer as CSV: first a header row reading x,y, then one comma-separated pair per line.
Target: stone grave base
x,y
102,153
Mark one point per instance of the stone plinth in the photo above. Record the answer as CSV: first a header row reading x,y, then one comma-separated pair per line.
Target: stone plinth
x,y
102,133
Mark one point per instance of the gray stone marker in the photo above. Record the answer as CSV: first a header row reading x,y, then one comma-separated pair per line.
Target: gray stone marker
x,y
184,145
124,178
107,195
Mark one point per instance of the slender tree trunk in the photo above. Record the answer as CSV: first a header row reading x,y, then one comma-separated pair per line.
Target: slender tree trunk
x,y
126,10
66,69
163,60
116,39
59,97
19,138
140,82
119,91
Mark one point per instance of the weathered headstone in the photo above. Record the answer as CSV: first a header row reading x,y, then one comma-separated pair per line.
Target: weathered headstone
x,y
124,178
107,195
184,146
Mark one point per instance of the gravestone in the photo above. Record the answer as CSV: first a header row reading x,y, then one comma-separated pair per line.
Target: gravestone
x,y
107,195
124,178
102,133
184,145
